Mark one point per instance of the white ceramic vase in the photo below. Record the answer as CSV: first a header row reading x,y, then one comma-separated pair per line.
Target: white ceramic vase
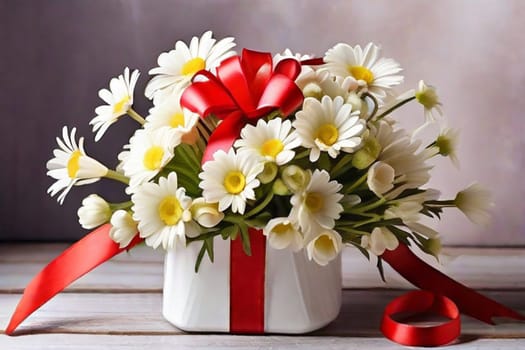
x,y
300,295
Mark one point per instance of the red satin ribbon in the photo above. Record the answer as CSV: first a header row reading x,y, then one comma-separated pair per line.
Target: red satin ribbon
x,y
421,302
91,251
247,281
424,276
245,89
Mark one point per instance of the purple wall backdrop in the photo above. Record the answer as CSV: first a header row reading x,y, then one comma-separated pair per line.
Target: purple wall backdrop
x,y
56,54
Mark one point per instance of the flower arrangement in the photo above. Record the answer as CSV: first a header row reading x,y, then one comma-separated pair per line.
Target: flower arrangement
x,y
323,167
293,152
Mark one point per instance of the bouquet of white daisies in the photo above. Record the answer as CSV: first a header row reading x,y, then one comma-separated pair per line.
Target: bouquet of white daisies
x,y
322,166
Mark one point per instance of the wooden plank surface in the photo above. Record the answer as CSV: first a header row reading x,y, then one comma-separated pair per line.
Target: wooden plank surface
x,y
118,306
480,268
223,342
138,313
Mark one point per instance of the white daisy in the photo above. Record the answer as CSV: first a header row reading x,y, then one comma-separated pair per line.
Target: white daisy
x,y
379,240
170,114
317,83
378,75
318,205
287,53
72,166
404,156
271,141
283,233
94,212
119,99
230,179
177,67
475,202
427,96
329,126
123,228
325,247
163,213
149,152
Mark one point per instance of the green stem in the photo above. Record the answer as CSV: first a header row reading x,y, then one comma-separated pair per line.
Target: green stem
x,y
261,205
134,115
113,175
376,105
122,205
370,206
357,183
394,107
302,154
444,203
339,166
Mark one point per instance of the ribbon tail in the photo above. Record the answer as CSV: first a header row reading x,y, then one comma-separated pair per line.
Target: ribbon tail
x,y
91,251
424,276
224,135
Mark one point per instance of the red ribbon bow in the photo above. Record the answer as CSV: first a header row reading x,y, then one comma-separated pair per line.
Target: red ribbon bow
x,y
245,89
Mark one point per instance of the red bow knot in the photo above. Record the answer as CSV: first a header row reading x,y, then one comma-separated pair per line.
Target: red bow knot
x,y
245,89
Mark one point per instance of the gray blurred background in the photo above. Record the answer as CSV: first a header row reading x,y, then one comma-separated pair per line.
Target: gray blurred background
x,y
56,54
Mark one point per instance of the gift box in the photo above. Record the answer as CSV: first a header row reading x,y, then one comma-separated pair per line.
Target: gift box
x,y
288,299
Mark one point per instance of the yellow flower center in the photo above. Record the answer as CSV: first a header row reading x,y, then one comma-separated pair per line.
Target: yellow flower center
x,y
177,120
73,164
119,106
361,73
328,134
170,210
314,201
324,244
153,158
193,66
281,229
272,148
234,182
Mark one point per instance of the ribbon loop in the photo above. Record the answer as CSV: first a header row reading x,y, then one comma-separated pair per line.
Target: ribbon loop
x,y
245,89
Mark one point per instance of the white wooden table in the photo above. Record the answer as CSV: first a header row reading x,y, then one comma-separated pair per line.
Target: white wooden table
x,y
118,305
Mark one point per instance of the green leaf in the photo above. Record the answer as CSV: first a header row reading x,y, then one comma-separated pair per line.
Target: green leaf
x,y
361,249
199,257
229,232
380,268
245,236
209,247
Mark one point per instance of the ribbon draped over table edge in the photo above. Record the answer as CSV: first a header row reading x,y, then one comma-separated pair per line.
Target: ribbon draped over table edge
x,y
245,89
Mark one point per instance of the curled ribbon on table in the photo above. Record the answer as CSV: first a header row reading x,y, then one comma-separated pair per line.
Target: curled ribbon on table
x,y
244,89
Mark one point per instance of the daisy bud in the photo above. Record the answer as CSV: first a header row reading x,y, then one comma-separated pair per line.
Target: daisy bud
x,y
123,228
380,178
282,233
325,247
295,178
269,173
206,214
367,154
357,104
313,90
379,240
474,202
279,188
94,212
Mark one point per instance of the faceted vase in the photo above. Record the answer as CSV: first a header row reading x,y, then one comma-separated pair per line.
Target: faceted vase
x,y
299,296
